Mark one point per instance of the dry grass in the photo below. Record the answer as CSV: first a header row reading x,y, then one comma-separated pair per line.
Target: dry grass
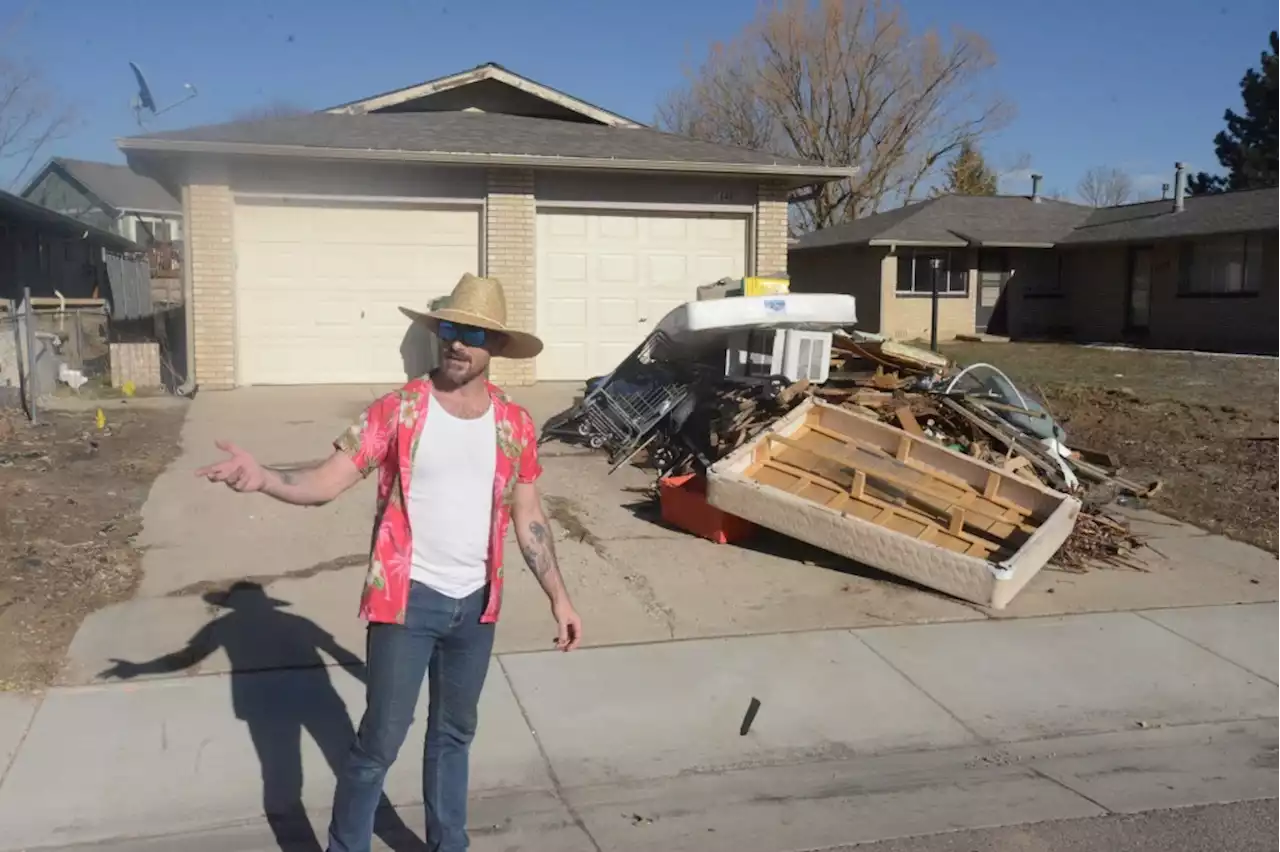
x,y
1205,425
70,496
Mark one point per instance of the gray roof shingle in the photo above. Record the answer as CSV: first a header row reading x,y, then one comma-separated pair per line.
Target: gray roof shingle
x,y
1012,219
958,220
119,186
1203,215
463,133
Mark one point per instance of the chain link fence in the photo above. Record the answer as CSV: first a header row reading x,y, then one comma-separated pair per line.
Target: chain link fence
x,y
64,348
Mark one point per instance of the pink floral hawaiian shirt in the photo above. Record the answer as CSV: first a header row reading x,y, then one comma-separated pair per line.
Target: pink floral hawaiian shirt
x,y
385,438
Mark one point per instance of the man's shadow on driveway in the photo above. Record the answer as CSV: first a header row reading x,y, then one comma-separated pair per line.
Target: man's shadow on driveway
x,y
279,705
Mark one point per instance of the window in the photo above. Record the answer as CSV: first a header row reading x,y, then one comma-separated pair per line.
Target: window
x,y
1221,266
1045,275
915,271
154,231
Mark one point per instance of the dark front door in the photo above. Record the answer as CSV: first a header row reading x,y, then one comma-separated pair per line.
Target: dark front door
x,y
1138,307
993,274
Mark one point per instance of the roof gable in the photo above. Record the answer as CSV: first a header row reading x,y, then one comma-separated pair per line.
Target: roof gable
x,y
119,189
487,88
484,139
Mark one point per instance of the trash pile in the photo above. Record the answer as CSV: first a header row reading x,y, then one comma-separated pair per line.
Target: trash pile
x,y
682,415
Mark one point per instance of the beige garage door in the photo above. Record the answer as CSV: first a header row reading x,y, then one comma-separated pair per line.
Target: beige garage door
x,y
605,279
319,286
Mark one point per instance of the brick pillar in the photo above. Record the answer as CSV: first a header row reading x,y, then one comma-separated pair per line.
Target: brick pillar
x,y
771,229
510,222
207,206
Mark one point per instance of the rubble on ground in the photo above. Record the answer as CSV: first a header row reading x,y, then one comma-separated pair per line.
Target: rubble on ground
x,y
974,410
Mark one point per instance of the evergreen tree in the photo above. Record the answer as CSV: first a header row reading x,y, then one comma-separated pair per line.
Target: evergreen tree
x,y
968,174
1247,149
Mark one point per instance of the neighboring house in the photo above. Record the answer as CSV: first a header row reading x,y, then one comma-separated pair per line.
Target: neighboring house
x,y
114,198
1196,273
307,233
1203,277
53,254
976,245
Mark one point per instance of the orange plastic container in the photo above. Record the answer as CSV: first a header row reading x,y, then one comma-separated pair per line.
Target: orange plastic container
x,y
684,505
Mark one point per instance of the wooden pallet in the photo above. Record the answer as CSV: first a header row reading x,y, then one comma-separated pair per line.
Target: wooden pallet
x,y
903,482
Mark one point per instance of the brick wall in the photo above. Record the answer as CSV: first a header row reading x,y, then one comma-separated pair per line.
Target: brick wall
x,y
207,208
771,229
910,317
510,223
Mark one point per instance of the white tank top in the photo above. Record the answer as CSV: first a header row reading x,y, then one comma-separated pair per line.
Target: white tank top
x,y
451,501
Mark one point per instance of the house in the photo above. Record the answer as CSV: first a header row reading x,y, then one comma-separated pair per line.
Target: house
x,y
974,245
53,254
110,197
1189,272
72,271
1197,275
306,233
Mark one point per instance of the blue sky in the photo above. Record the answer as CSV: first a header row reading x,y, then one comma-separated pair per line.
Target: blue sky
x,y
1136,84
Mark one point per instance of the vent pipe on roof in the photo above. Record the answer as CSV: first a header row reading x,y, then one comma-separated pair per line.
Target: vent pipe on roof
x,y
1035,186
1164,192
1179,187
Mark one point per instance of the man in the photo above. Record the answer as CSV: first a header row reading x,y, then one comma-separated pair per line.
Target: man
x,y
456,462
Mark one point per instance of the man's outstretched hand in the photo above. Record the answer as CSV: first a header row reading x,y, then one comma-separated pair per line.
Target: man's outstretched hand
x,y
239,471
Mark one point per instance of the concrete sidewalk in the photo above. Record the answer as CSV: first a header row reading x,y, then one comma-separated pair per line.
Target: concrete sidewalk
x,y
862,735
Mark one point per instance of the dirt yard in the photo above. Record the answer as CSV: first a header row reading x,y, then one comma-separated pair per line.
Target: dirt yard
x,y
70,496
1206,426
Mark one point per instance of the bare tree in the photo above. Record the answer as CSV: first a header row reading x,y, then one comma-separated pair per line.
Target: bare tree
x,y
1104,186
30,119
278,108
842,83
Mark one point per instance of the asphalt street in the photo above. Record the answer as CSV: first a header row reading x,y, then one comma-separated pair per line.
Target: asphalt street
x,y
1236,827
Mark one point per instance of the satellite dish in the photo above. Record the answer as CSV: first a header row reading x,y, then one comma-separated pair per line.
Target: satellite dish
x,y
144,100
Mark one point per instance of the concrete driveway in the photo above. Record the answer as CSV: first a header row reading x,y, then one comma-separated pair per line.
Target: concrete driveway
x,y
633,579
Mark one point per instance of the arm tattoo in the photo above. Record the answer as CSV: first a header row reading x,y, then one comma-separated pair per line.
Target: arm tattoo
x,y
541,552
290,473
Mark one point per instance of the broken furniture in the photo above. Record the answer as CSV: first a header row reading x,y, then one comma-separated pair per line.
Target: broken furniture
x,y
895,501
622,412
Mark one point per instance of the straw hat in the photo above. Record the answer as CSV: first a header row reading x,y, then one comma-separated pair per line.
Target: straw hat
x,y
480,302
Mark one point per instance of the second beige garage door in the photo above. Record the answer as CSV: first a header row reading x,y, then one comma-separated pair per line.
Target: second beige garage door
x,y
605,279
318,287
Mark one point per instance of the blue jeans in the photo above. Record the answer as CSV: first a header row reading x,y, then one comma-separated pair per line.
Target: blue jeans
x,y
444,637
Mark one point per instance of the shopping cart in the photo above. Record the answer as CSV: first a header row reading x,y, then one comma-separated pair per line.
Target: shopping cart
x,y
622,411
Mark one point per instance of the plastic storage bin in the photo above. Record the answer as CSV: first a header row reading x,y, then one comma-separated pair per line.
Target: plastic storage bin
x,y
684,505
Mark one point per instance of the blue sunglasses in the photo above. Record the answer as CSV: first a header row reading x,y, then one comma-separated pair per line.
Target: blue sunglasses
x,y
468,335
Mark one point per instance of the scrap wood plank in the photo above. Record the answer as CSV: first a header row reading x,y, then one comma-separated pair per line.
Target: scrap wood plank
x,y
868,397
914,489
792,392
917,467
1096,474
1013,464
888,509
1006,439
799,472
1004,512
907,420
